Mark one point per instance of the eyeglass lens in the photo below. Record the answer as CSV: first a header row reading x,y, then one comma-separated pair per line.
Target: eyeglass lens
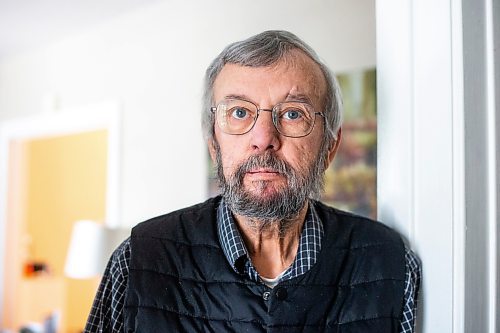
x,y
293,119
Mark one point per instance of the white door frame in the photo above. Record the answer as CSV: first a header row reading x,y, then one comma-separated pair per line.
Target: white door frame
x,y
65,122
438,164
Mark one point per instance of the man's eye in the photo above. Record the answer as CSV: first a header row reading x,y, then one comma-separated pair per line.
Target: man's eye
x,y
239,113
292,114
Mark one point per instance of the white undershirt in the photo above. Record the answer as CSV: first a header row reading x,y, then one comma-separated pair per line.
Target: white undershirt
x,y
271,283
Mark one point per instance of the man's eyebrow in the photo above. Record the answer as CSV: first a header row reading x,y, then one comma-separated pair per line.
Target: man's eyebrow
x,y
298,98
236,96
289,97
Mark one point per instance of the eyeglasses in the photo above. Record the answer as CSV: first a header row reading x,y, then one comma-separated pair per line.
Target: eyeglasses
x,y
291,119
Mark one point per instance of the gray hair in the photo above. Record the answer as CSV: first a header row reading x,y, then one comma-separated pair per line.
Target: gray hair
x,y
266,49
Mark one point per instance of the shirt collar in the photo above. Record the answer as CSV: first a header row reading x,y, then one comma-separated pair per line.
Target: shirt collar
x,y
229,236
237,254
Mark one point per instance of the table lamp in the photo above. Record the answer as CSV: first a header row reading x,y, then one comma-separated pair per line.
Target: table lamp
x,y
90,248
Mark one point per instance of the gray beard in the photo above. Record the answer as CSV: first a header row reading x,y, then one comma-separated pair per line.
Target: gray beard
x,y
279,208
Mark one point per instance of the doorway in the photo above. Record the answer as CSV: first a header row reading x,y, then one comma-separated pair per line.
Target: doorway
x,y
55,175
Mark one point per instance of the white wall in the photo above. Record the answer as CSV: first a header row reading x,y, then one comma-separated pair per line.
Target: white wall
x,y
152,61
438,80
416,149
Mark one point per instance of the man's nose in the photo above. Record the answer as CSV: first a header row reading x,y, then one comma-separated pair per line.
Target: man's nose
x,y
264,135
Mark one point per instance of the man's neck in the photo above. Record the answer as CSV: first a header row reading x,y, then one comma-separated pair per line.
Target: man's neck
x,y
271,249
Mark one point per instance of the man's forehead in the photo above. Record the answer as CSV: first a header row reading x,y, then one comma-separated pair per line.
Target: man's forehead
x,y
296,69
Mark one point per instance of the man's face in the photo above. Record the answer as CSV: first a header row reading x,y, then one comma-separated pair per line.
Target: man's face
x,y
262,169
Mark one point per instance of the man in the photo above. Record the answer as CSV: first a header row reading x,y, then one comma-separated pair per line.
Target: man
x,y
265,256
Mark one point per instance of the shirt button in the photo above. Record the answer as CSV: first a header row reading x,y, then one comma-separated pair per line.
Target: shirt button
x,y
266,295
281,294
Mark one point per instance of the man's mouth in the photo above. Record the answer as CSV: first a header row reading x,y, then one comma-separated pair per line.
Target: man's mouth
x,y
263,171
263,174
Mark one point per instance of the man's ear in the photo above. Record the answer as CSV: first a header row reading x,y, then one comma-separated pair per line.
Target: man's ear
x,y
332,151
211,148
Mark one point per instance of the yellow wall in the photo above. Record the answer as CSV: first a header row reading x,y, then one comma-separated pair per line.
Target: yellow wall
x,y
66,182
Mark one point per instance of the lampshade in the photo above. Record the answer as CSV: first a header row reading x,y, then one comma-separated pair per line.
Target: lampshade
x,y
90,247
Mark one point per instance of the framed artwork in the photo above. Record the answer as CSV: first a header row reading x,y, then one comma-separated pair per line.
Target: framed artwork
x,y
351,180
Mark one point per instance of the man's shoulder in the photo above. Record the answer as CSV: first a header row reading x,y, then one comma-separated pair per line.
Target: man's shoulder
x,y
175,223
356,228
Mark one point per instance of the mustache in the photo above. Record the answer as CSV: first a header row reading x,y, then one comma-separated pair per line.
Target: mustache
x,y
266,160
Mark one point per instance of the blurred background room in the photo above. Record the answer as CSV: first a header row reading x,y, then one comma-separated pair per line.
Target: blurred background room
x,y
100,106
100,112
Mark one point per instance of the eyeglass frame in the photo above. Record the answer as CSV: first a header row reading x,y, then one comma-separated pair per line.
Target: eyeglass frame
x,y
213,109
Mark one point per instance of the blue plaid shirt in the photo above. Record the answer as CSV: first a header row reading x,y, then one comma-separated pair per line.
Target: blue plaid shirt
x,y
236,252
106,314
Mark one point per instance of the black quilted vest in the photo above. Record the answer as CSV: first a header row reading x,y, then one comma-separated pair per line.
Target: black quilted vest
x,y
180,280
